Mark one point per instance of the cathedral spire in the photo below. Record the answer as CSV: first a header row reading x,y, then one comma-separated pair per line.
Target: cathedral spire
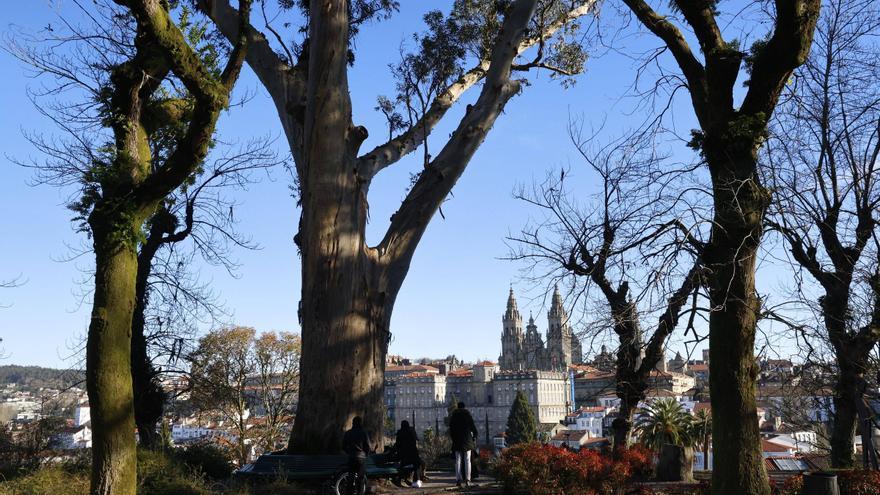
x,y
556,308
512,312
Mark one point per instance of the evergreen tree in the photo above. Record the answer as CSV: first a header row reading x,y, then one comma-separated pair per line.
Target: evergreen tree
x,y
521,425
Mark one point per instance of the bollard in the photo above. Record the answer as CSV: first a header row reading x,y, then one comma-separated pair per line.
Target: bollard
x,y
820,483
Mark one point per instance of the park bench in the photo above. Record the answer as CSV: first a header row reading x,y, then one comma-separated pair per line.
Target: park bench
x,y
329,469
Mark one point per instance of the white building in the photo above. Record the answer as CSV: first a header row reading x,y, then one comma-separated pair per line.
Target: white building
x,y
82,415
75,437
423,398
590,419
187,433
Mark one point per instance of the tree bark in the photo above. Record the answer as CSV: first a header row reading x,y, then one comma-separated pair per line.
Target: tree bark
x,y
729,139
131,188
345,331
108,348
149,398
845,418
740,202
349,288
852,362
343,347
631,384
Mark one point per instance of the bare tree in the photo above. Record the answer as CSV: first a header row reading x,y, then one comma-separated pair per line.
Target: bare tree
x,y
166,300
729,139
637,248
349,288
822,165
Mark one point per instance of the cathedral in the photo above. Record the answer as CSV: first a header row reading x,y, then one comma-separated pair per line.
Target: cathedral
x,y
526,350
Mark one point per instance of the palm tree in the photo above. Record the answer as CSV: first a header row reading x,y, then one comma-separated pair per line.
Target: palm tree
x,y
701,433
664,422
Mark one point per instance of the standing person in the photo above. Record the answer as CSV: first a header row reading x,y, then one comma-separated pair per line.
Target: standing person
x,y
464,433
356,443
406,446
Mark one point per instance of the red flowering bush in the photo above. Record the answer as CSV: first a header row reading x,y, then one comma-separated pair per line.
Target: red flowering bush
x,y
640,459
791,486
547,470
853,482
859,482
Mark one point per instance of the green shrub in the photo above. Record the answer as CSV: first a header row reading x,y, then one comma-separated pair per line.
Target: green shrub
x,y
207,459
160,474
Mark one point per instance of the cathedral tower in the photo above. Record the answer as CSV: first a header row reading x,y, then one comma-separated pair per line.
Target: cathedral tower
x,y
559,336
533,348
511,337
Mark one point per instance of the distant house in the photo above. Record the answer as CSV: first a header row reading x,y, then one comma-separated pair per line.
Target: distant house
x,y
589,419
546,431
573,439
74,437
181,433
597,443
770,448
798,441
700,372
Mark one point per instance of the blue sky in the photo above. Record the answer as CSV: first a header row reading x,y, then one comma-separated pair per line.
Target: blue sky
x,y
453,298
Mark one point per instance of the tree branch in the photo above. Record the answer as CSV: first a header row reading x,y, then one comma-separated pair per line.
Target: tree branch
x,y
786,50
370,163
210,95
436,181
693,70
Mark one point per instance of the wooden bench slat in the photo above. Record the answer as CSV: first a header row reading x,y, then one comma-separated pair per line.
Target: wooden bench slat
x,y
301,467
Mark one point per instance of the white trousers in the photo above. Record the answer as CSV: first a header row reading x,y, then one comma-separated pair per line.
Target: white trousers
x,y
463,457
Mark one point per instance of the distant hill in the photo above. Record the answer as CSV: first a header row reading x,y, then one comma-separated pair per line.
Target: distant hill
x,y
35,377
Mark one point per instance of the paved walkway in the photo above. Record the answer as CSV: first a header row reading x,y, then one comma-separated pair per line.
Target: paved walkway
x,y
442,482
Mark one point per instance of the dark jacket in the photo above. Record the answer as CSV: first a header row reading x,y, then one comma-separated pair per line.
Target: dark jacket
x,y
406,444
356,442
462,430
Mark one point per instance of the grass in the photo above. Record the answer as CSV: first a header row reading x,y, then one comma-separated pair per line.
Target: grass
x,y
158,474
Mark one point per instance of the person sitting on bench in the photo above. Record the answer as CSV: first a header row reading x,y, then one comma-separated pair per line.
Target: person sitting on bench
x,y
407,448
356,443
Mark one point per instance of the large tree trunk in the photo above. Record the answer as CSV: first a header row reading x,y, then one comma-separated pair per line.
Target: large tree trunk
x,y
622,424
349,289
630,383
845,418
740,202
851,364
108,357
149,398
344,315
345,334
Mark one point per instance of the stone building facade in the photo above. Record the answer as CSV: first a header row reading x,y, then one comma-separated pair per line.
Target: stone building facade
x,y
525,350
423,399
